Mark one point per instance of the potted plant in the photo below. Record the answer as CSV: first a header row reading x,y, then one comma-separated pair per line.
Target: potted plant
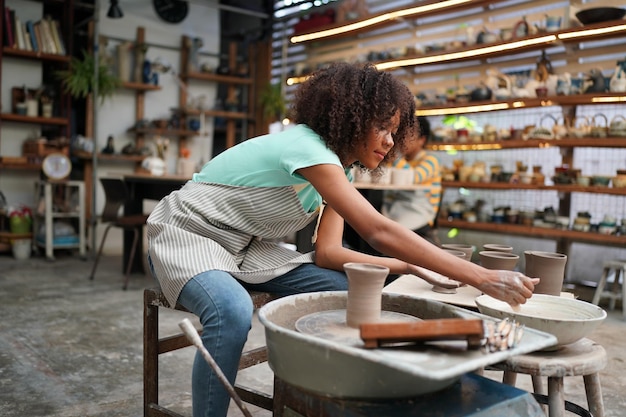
x,y
79,79
273,102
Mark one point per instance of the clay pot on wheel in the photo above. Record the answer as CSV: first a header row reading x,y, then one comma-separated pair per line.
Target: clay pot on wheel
x,y
365,290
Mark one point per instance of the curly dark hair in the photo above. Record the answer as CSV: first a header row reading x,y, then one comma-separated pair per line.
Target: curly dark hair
x,y
343,101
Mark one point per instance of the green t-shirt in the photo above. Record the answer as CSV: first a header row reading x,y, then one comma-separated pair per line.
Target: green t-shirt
x,y
272,161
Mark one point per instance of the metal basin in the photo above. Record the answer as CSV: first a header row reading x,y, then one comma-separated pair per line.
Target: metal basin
x,y
347,370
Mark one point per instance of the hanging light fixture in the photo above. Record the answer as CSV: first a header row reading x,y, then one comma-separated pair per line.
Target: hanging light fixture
x,y
114,10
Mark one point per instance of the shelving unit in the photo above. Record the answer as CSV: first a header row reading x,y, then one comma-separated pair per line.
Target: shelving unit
x,y
243,84
564,238
140,89
49,127
417,40
55,203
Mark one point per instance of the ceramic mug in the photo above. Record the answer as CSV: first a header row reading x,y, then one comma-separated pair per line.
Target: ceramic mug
x,y
553,23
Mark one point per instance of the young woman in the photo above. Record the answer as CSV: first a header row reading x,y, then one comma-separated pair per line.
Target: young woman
x,y
213,239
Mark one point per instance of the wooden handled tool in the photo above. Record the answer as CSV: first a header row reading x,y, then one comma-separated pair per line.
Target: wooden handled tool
x,y
375,334
194,338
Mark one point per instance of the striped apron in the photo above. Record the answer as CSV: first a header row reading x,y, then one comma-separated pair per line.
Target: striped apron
x,y
204,227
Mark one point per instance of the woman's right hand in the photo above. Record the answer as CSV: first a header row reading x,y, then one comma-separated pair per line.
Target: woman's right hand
x,y
509,286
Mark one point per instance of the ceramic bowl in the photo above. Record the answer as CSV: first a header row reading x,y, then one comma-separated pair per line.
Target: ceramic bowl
x,y
566,318
600,180
619,181
600,14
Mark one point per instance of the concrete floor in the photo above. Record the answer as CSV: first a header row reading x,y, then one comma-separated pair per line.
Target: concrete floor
x,y
73,347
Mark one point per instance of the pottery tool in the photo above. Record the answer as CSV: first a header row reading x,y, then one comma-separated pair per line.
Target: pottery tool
x,y
493,336
193,336
375,334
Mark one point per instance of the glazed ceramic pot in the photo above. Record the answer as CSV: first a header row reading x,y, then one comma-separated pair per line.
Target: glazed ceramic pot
x,y
549,267
365,289
498,260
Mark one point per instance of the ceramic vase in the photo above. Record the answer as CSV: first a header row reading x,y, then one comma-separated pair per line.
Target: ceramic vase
x,y
365,289
549,267
498,260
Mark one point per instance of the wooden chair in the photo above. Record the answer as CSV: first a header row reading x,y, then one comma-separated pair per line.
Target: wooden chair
x,y
153,346
116,195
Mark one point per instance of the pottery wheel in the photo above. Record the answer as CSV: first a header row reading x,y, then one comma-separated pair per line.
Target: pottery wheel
x,y
331,325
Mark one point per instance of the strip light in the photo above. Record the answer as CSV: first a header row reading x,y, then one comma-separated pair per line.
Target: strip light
x,y
591,32
466,147
466,54
615,99
376,20
468,109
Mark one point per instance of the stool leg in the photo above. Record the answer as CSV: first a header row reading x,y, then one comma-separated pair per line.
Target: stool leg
x,y
622,272
613,288
509,378
150,354
594,395
598,294
538,389
556,397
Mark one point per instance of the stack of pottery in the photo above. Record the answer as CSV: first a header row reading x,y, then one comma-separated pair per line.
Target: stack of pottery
x,y
582,222
608,225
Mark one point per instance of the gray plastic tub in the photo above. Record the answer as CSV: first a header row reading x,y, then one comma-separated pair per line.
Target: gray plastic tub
x,y
347,370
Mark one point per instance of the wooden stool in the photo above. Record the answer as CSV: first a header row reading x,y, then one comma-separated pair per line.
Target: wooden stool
x,y
615,293
583,358
153,346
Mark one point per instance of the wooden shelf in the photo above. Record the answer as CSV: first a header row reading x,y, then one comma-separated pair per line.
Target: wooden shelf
x,y
536,232
562,188
164,132
522,103
615,142
39,56
227,79
108,157
140,86
12,117
480,52
387,18
20,166
214,113
4,236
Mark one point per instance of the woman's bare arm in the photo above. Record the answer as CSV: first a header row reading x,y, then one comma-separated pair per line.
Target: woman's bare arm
x,y
394,240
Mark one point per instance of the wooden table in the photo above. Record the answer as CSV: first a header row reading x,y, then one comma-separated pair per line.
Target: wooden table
x,y
144,187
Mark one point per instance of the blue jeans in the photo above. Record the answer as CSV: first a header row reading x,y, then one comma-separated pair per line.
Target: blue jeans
x,y
225,311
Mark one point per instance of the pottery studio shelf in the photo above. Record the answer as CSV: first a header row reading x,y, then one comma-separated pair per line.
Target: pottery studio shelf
x,y
536,232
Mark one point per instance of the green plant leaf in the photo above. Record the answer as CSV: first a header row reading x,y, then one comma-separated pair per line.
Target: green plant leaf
x,y
272,101
78,80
